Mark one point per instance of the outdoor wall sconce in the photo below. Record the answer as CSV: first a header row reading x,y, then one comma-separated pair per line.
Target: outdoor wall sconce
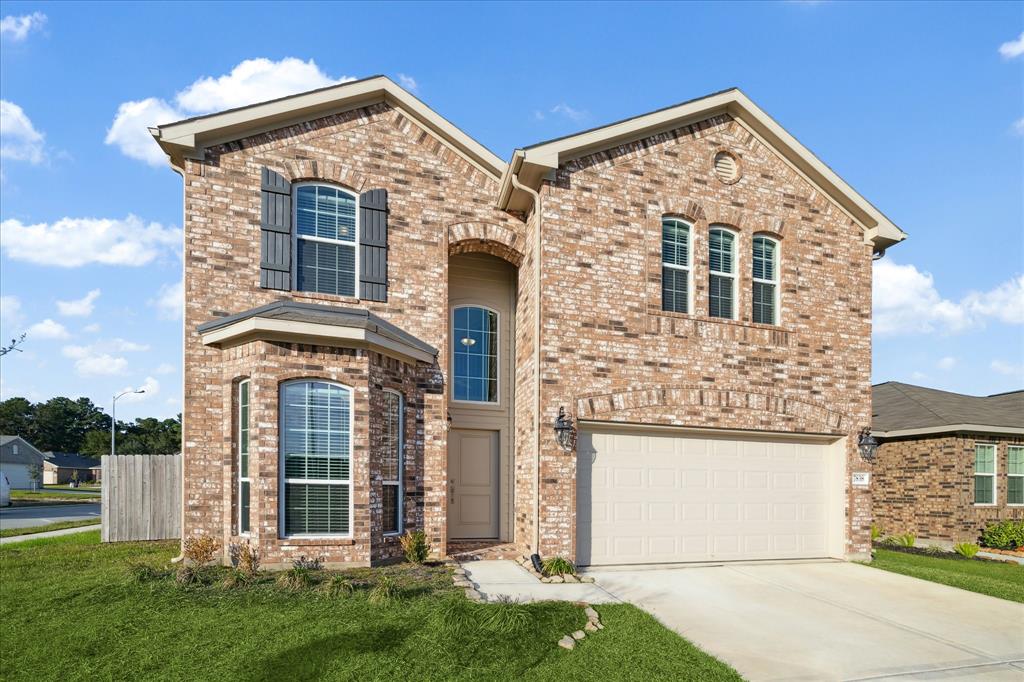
x,y
448,422
565,433
867,444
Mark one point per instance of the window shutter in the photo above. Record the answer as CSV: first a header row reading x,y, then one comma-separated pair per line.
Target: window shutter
x,y
373,245
275,231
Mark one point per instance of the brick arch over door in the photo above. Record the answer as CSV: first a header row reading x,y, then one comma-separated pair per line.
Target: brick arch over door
x,y
480,237
805,416
712,213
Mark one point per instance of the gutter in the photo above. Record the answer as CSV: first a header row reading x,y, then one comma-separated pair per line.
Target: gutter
x,y
951,428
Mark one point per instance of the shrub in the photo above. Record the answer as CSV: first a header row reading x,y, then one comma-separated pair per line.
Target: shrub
x,y
314,564
905,540
296,578
247,559
236,578
338,586
187,576
415,546
385,591
876,533
200,549
934,550
966,549
506,616
1003,535
558,566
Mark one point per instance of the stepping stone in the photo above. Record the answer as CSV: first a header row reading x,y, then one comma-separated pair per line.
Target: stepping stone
x,y
578,635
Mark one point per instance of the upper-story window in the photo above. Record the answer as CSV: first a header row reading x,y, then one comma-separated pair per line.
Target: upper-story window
x,y
766,280
722,273
675,265
326,238
475,354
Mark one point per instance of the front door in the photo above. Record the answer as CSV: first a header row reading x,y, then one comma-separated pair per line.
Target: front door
x,y
472,484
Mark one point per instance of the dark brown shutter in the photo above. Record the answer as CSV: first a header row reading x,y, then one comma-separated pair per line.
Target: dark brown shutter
x,y
275,231
373,245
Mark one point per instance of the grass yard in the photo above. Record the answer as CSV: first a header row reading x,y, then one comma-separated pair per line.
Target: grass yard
x,y
47,496
82,594
59,525
1002,580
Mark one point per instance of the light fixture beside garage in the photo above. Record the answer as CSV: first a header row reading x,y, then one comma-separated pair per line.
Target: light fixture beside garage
x,y
565,432
867,444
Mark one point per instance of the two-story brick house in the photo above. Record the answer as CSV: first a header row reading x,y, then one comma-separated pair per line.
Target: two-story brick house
x,y
383,320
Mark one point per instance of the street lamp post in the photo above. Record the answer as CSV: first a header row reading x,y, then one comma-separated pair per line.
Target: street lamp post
x,y
113,417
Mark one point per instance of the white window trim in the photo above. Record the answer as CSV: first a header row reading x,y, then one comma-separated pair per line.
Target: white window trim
x,y
733,276
490,403
1009,475
246,479
281,506
296,237
688,268
995,472
777,251
401,466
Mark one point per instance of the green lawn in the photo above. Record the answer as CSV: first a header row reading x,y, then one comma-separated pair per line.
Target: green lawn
x,y
48,496
60,525
77,592
64,486
1002,580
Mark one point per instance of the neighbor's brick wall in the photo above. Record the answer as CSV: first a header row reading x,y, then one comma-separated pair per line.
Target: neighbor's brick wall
x,y
610,353
925,486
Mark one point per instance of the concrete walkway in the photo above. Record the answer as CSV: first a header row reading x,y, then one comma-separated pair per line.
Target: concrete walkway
x,y
502,578
47,534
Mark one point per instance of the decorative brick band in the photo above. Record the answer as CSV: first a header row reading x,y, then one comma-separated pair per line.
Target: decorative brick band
x,y
712,213
481,237
815,418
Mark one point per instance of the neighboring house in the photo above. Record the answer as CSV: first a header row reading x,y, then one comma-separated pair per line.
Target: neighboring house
x,y
60,467
383,321
948,464
17,457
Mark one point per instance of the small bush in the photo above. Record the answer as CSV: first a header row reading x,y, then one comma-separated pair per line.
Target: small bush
x,y
966,549
314,564
934,550
236,577
338,586
187,576
247,559
200,549
876,533
507,616
905,540
415,546
558,566
1003,535
385,591
296,578
143,573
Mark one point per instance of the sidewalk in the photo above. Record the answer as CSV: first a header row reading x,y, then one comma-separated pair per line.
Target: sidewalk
x,y
47,534
503,578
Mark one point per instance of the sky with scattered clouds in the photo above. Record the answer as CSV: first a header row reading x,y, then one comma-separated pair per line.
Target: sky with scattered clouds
x,y
918,106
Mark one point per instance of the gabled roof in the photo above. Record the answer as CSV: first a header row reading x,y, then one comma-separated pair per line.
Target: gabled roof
x,y
188,138
67,460
25,455
905,410
531,164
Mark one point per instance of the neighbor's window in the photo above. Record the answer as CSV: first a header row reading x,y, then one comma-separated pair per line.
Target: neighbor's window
x,y
325,240
475,354
675,266
392,464
766,280
316,454
1015,475
244,482
984,473
722,276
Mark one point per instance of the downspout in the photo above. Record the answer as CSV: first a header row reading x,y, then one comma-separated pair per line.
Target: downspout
x,y
538,212
180,170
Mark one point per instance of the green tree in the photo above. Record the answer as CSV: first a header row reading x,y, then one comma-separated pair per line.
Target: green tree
x,y
61,423
96,444
17,418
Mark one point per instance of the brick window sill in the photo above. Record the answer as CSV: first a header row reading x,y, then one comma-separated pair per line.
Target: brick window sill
x,y
316,542
717,320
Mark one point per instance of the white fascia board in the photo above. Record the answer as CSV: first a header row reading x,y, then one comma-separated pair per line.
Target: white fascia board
x,y
951,428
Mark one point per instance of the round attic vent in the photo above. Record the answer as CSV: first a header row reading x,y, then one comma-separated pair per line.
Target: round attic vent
x,y
727,168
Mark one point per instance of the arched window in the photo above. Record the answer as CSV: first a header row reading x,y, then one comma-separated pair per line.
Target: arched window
x,y
475,354
722,273
316,458
766,280
675,265
392,463
326,238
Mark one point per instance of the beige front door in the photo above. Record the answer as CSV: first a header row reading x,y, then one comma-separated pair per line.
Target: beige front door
x,y
472,484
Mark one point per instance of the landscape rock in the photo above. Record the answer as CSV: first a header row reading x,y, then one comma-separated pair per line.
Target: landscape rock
x,y
591,613
586,578
578,635
567,642
590,627
556,579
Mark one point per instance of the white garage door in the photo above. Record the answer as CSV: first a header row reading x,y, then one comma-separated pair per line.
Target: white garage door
x,y
18,475
660,497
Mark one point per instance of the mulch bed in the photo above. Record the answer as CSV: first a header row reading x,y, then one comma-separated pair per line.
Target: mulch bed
x,y
946,555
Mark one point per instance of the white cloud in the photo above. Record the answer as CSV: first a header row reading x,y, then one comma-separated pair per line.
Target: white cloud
x,y
83,307
918,376
100,365
567,111
47,329
1008,368
72,242
122,346
19,139
18,28
165,368
408,82
10,313
170,301
906,301
1013,48
947,363
1018,126
150,388
91,328
100,358
252,80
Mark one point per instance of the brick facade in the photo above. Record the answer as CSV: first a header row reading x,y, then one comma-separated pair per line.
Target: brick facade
x,y
925,486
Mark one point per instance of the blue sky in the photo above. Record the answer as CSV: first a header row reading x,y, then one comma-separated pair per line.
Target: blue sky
x,y
918,106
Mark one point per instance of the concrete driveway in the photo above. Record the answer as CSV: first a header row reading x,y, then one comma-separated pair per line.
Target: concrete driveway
x,y
25,517
830,621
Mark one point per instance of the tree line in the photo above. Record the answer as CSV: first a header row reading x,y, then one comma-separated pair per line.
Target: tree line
x,y
79,426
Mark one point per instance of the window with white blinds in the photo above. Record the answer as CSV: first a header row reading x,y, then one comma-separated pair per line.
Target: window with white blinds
x,y
316,447
766,280
244,482
1015,474
392,463
722,273
984,473
326,235
675,265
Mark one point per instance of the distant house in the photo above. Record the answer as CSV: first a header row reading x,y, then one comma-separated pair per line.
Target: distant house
x,y
17,457
60,467
948,464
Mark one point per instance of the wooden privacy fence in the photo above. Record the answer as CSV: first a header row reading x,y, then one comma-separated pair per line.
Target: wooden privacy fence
x,y
141,497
